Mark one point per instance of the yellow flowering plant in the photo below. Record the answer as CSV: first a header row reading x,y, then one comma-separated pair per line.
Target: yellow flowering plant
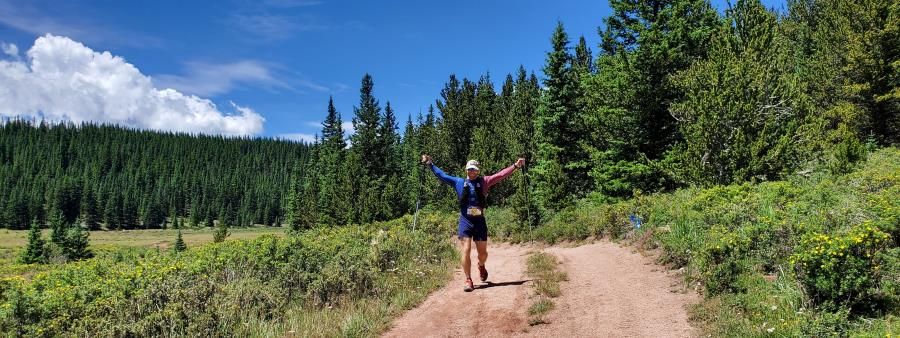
x,y
841,269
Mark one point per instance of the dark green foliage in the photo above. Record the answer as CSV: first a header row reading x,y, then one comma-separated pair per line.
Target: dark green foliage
x,y
366,123
848,53
561,166
128,179
627,102
90,210
35,251
76,244
743,107
333,200
179,245
58,229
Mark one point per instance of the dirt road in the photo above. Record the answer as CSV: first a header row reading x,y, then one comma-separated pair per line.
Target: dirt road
x,y
612,292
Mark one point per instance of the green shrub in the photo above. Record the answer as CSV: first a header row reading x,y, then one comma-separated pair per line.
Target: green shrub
x,y
725,257
843,269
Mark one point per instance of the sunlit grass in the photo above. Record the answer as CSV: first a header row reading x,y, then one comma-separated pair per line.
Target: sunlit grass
x,y
543,269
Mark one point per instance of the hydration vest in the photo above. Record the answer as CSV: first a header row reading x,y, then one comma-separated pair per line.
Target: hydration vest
x,y
477,185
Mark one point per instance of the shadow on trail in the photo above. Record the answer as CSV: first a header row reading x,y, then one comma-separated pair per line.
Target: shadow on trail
x,y
490,284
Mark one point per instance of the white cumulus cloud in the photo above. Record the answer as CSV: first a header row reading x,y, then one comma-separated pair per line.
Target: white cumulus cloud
x,y
10,49
348,128
63,80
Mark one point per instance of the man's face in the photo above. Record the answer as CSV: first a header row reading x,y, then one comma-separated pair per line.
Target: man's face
x,y
472,173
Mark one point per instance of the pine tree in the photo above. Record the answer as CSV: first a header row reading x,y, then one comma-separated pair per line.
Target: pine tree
x,y
584,60
179,245
221,232
58,229
389,140
525,101
353,184
194,215
113,212
35,251
455,130
366,124
89,210
486,146
129,216
173,218
391,188
332,201
561,172
77,244
294,206
846,53
627,101
743,107
410,157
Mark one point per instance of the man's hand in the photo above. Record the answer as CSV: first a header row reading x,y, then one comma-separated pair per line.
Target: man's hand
x,y
520,162
426,159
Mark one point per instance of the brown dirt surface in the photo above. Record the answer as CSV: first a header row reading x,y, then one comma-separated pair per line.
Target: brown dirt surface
x,y
612,291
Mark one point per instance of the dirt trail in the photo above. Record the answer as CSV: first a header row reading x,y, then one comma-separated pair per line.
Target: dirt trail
x,y
612,292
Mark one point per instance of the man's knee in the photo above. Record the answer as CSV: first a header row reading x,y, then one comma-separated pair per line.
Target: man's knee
x,y
465,244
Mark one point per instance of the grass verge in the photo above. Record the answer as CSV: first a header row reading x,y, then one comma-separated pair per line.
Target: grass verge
x,y
542,268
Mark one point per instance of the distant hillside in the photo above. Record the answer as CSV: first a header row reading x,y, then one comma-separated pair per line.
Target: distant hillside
x,y
124,179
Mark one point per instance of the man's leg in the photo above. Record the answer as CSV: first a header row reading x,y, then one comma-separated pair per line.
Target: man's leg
x,y
481,246
465,248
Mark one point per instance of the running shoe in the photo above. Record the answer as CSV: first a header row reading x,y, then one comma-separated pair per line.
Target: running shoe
x,y
483,272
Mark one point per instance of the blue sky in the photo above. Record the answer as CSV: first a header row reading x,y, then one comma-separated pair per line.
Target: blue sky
x,y
281,59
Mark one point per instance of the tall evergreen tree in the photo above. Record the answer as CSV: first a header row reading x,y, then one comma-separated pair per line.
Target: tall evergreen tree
x,y
77,244
294,206
627,101
583,62
58,227
389,138
90,212
366,123
392,178
113,212
179,245
331,154
409,164
458,117
561,171
526,101
35,251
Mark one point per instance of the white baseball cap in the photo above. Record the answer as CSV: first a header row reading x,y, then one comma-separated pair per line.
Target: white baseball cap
x,y
473,164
